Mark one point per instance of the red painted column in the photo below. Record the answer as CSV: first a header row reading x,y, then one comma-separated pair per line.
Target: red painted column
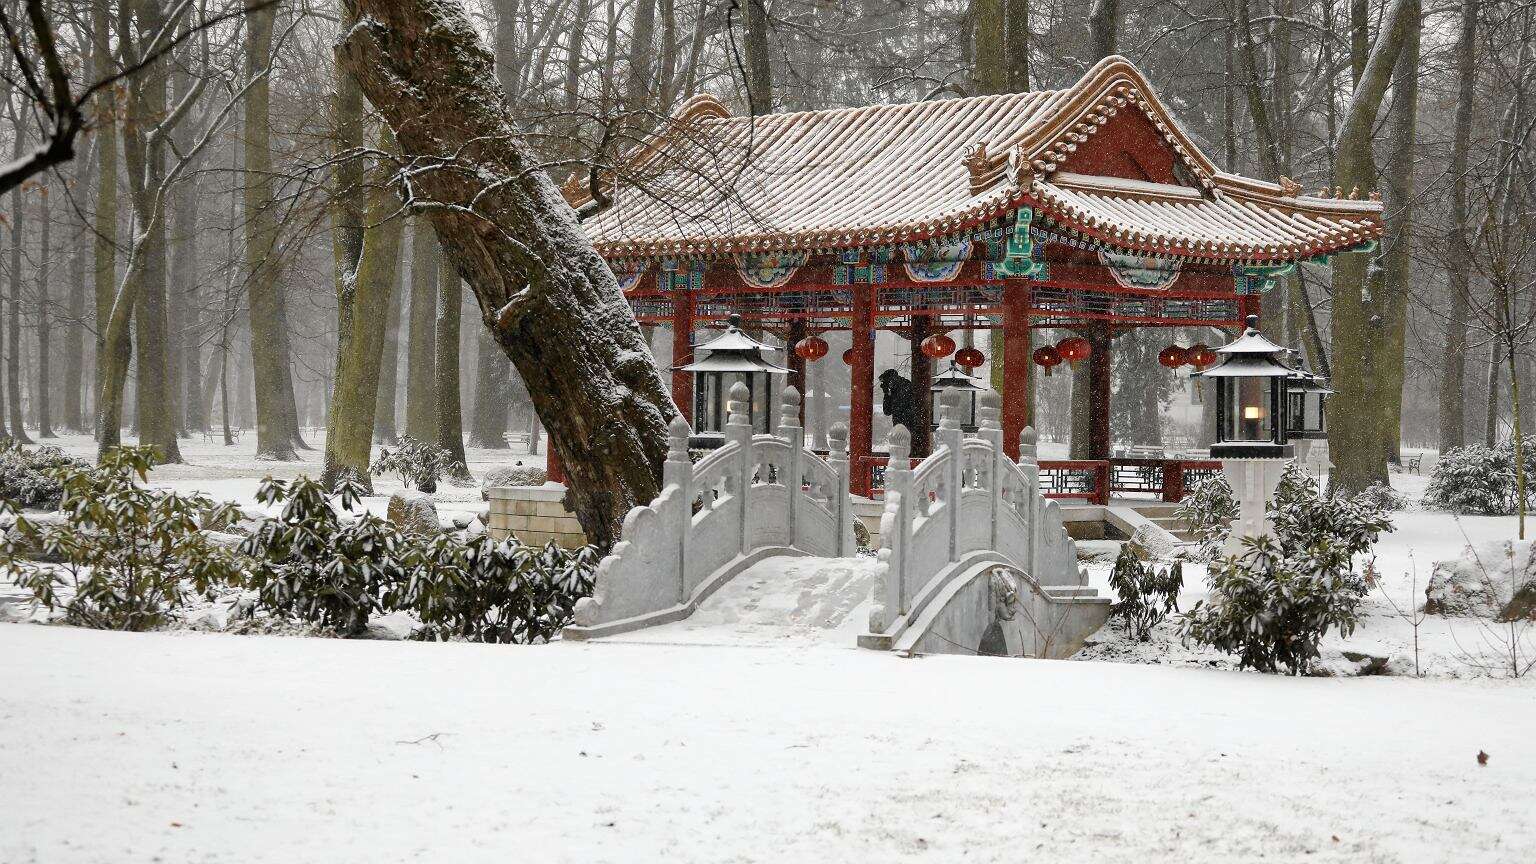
x,y
554,469
682,352
861,403
1017,411
1098,394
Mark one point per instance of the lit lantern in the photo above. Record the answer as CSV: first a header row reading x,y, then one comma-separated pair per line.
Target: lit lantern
x,y
1306,416
1172,357
1199,355
969,358
1252,380
937,346
731,357
848,356
1048,357
968,388
1073,349
811,348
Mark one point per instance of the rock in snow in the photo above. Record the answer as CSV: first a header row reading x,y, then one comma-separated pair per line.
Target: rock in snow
x,y
413,511
513,475
1491,580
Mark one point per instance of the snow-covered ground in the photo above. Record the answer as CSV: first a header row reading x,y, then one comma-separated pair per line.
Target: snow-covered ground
x,y
754,731
195,747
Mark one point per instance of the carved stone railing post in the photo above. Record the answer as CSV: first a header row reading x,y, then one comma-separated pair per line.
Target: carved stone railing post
x,y
1029,466
837,458
991,431
952,438
678,471
898,502
738,431
789,428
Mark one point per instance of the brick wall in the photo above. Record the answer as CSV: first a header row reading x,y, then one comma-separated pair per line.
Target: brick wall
x,y
535,515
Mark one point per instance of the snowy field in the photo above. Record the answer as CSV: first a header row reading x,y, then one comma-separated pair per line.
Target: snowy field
x,y
755,732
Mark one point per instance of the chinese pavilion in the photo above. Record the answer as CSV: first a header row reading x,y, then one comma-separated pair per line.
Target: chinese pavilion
x,y
1086,208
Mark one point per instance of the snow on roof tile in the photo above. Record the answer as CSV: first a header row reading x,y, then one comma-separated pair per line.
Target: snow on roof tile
x,y
710,183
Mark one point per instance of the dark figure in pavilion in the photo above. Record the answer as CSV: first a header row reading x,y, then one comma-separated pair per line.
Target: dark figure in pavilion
x,y
898,400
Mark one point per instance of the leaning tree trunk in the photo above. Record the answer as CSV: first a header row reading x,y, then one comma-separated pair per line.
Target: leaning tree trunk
x,y
550,300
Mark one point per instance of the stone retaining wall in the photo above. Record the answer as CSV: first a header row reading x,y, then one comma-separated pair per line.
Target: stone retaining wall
x,y
535,515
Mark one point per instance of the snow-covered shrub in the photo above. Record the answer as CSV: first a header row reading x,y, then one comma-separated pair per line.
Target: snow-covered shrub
x,y
1491,580
1480,480
1272,609
127,556
419,463
312,563
31,476
1146,593
1305,517
1382,497
1208,512
487,591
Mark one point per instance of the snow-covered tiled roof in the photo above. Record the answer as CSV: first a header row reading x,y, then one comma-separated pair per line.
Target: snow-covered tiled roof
x,y
709,183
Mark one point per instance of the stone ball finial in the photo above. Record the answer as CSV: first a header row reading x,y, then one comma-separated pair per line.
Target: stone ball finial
x,y
991,409
1028,436
677,435
949,409
899,444
740,405
789,406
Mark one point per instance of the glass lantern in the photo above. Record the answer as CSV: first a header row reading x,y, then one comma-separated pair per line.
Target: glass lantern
x,y
1253,401
729,359
1307,413
968,387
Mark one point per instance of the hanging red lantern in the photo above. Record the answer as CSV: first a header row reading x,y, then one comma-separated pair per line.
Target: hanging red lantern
x,y
1073,349
1172,357
969,358
1048,357
848,357
811,348
1199,355
938,345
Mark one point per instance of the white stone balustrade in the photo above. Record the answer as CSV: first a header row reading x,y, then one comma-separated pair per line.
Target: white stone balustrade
x,y
965,503
755,497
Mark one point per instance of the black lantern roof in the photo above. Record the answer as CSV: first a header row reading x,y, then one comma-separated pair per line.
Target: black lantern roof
x,y
1251,355
953,379
1304,381
735,351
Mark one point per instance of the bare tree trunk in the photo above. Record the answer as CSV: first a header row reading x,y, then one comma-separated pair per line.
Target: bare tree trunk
x,y
1458,251
759,68
421,359
637,95
384,431
13,310
989,71
74,335
1396,272
44,312
105,268
1358,448
557,310
449,413
1103,28
488,423
184,369
1016,46
274,399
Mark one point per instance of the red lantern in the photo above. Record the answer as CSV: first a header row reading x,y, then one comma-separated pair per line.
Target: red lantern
x,y
1073,349
811,348
1047,356
848,357
1199,355
938,345
969,358
1172,357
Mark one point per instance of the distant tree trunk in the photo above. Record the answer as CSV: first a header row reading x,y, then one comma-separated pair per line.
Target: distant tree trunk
x,y
1394,277
557,310
421,349
384,431
488,424
185,370
990,69
275,410
638,91
1016,45
1103,28
44,312
1458,251
759,81
366,293
508,61
1358,449
105,229
13,310
1491,418
450,415
74,335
